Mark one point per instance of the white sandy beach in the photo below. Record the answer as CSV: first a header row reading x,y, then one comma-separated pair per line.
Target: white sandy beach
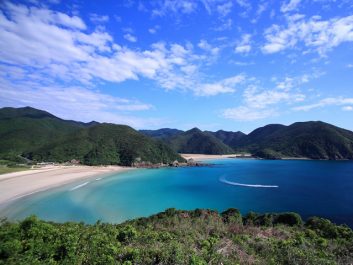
x,y
18,184
205,157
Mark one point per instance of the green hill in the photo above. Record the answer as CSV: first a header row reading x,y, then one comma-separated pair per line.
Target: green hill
x,y
25,129
162,134
106,144
197,237
227,137
315,140
41,136
195,141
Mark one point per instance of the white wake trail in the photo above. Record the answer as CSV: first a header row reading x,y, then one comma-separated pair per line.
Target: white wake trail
x,y
223,179
79,186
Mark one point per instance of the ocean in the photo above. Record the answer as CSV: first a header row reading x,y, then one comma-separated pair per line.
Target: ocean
x,y
310,188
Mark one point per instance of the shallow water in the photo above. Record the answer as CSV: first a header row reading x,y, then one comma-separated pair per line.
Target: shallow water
x,y
323,188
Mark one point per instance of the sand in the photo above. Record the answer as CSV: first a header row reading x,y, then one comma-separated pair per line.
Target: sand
x,y
205,157
18,184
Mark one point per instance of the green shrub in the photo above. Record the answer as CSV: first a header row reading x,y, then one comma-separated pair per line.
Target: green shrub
x,y
232,215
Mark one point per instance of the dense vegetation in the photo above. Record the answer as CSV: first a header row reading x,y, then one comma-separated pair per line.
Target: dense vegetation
x,y
229,138
35,134
106,144
195,141
316,140
27,133
179,237
162,134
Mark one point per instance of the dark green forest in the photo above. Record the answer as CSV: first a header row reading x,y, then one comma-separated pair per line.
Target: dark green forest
x,y
27,133
179,237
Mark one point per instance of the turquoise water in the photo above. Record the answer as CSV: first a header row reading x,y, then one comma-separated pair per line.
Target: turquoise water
x,y
323,188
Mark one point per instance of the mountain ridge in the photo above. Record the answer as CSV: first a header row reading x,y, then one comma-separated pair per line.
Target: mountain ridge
x,y
28,130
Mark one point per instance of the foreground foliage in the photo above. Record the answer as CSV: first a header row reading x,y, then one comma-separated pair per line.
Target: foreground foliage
x,y
179,237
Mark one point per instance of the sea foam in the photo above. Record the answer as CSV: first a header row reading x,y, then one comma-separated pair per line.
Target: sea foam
x,y
223,179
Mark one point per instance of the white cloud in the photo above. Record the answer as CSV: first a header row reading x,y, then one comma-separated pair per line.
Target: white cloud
x,y
347,108
203,44
98,19
225,25
261,98
227,85
290,6
244,3
244,113
259,103
334,101
174,6
225,9
130,37
73,102
154,29
244,45
315,34
36,39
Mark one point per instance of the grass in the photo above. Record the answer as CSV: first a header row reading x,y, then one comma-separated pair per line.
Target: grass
x,y
6,169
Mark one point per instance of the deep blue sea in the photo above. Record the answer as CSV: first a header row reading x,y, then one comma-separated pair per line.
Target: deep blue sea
x,y
321,188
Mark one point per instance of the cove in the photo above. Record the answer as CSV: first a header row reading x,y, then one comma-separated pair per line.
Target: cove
x,y
310,188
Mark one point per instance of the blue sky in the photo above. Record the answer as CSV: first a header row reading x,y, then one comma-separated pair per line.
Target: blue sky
x,y
212,64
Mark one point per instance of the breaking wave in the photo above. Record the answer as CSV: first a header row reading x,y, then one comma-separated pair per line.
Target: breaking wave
x,y
223,179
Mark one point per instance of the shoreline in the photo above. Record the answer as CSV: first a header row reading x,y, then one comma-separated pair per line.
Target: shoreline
x,y
210,157
20,184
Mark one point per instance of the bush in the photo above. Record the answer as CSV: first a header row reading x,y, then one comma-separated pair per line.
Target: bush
x,y
291,219
232,215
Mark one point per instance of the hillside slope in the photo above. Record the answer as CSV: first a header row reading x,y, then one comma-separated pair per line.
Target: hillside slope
x,y
161,134
229,138
41,136
195,141
106,144
315,140
24,129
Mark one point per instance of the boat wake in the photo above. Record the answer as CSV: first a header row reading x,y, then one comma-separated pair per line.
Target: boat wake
x,y
79,186
223,179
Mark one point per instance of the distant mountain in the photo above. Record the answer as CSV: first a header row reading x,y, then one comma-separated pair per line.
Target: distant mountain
x,y
41,136
163,133
315,140
195,141
231,139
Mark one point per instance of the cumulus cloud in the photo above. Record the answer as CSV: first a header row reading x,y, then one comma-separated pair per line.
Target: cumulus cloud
x,y
227,85
314,33
259,103
60,46
244,45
